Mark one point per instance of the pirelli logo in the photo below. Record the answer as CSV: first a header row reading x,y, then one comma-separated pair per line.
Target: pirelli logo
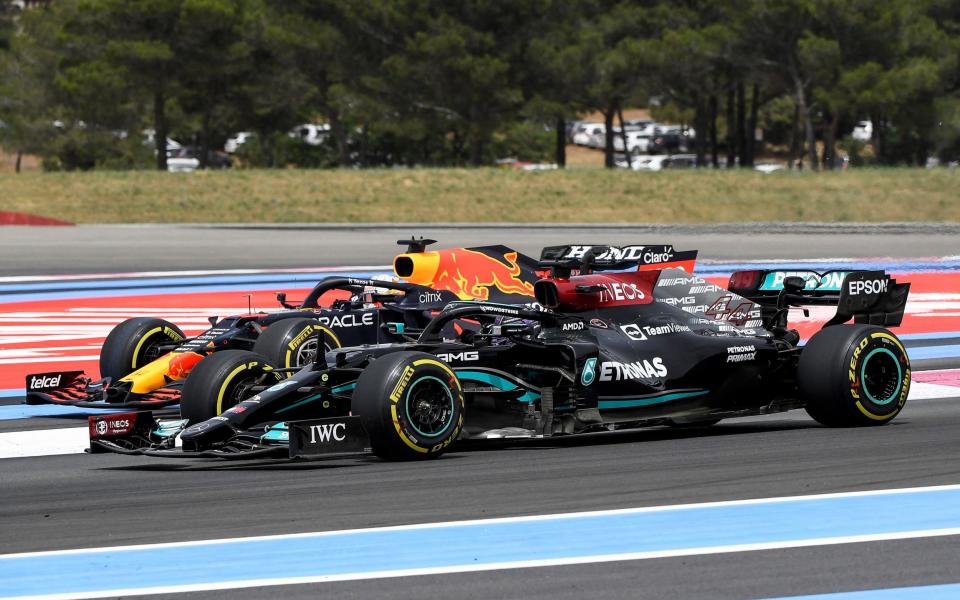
x,y
402,384
301,337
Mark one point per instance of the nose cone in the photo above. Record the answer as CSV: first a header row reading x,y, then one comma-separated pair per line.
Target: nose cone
x,y
417,267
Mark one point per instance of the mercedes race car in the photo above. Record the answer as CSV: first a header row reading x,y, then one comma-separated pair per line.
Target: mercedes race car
x,y
604,349
146,362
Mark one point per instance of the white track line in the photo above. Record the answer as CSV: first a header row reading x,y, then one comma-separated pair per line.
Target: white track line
x,y
469,568
523,519
44,442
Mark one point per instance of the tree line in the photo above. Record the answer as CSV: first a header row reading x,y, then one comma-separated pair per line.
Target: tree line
x,y
431,82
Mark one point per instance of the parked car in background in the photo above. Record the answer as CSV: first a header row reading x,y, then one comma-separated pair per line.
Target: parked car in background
x,y
173,146
680,161
188,159
769,167
659,162
599,139
667,143
863,131
311,133
638,142
236,140
638,124
585,132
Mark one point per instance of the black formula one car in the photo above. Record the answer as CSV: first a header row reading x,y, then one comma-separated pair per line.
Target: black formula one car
x,y
146,362
604,350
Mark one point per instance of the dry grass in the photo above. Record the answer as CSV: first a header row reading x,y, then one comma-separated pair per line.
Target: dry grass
x,y
28,162
485,195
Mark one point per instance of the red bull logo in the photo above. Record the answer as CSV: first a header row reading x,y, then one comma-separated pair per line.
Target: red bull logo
x,y
181,364
469,274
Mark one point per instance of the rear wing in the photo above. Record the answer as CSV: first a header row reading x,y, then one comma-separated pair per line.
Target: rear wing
x,y
871,297
562,260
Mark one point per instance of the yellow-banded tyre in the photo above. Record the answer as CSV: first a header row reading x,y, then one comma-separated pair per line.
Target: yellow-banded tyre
x,y
222,380
411,405
293,342
854,375
135,343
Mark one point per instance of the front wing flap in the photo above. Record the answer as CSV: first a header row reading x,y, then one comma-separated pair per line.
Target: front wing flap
x,y
140,434
75,388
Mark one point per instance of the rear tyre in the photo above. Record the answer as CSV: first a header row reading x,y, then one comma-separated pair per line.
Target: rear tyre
x,y
854,375
135,343
411,405
292,343
221,380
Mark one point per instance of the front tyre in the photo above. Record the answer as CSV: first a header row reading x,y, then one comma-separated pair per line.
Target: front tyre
x,y
854,375
135,343
221,381
293,343
411,405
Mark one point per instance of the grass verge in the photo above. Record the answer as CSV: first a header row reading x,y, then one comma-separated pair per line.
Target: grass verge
x,y
486,195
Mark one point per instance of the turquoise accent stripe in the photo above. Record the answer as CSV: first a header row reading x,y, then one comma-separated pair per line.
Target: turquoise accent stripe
x,y
863,377
482,376
277,433
301,403
339,388
634,402
496,381
529,397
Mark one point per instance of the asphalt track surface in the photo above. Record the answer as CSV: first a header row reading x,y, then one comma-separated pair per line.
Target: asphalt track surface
x,y
76,501
122,248
81,501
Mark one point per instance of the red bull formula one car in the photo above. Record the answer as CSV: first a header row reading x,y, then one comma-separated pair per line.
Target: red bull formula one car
x,y
146,362
602,350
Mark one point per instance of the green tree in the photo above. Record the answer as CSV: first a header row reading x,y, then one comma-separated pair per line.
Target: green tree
x,y
213,58
28,105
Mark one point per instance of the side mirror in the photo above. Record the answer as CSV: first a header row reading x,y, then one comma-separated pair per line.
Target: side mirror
x,y
282,299
792,285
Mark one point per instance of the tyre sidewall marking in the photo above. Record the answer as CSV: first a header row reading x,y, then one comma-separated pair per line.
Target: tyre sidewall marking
x,y
172,334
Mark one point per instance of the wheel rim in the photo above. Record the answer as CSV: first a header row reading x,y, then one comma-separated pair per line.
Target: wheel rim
x,y
239,391
881,376
150,353
307,352
429,406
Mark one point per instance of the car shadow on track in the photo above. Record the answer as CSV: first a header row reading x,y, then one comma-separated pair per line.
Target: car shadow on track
x,y
650,434
464,448
271,464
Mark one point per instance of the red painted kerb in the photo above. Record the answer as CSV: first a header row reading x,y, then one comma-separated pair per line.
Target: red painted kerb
x,y
15,218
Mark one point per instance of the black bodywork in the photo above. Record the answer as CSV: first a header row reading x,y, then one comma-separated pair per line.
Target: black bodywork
x,y
602,351
360,319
